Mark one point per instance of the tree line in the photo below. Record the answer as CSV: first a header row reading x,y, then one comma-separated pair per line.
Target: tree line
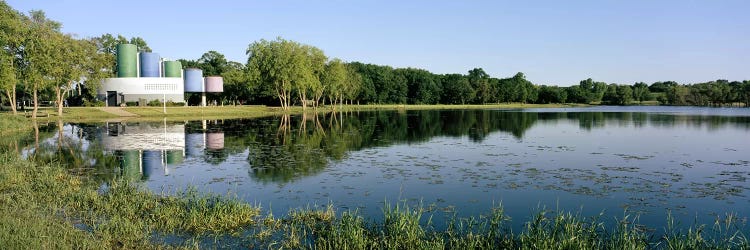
x,y
38,61
285,73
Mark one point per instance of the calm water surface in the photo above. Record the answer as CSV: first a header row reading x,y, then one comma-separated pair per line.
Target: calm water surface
x,y
692,162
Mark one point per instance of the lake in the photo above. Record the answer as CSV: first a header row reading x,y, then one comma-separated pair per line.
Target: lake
x,y
693,163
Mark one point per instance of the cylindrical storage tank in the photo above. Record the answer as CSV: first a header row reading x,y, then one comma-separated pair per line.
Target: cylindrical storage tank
x,y
127,60
215,140
194,145
194,80
149,64
152,163
214,84
172,69
174,157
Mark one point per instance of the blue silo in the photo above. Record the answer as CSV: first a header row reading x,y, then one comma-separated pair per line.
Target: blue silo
x,y
193,80
149,64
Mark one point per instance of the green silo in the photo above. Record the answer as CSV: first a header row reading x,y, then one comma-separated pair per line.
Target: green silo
x,y
127,62
172,69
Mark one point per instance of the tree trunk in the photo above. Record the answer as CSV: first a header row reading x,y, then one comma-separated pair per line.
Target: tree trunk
x,y
12,97
59,95
302,98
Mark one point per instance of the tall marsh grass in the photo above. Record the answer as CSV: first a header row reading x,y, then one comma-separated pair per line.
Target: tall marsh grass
x,y
42,206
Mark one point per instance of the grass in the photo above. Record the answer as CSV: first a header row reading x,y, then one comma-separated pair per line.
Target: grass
x,y
70,213
92,114
12,124
214,112
44,206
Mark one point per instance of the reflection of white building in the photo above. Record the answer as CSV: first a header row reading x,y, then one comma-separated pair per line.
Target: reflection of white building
x,y
148,148
145,148
144,136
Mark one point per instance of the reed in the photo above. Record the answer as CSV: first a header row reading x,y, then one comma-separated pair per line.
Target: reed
x,y
43,206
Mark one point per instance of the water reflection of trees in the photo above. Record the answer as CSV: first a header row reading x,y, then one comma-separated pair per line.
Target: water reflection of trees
x,y
286,148
594,120
73,146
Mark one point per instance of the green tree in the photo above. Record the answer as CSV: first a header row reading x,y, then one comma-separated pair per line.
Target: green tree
x,y
618,95
107,45
314,61
354,84
662,87
334,81
624,94
456,89
719,92
480,82
237,87
12,32
640,92
745,93
381,84
367,92
96,66
8,79
283,67
676,95
597,92
594,90
551,94
140,44
517,89
422,86
576,94
213,63
41,50
71,60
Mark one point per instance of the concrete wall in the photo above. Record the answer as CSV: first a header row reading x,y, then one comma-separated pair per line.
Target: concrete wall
x,y
133,88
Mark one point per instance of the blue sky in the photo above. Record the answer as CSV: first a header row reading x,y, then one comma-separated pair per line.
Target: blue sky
x,y
552,42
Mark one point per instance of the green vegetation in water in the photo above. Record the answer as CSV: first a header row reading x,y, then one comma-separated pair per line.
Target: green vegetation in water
x,y
43,206
120,216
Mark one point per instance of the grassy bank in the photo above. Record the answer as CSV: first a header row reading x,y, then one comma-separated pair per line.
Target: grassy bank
x,y
213,112
43,206
12,124
85,114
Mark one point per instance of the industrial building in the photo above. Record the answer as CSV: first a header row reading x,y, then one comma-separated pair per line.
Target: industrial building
x,y
144,76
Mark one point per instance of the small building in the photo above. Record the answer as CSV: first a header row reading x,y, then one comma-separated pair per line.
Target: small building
x,y
117,91
145,77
